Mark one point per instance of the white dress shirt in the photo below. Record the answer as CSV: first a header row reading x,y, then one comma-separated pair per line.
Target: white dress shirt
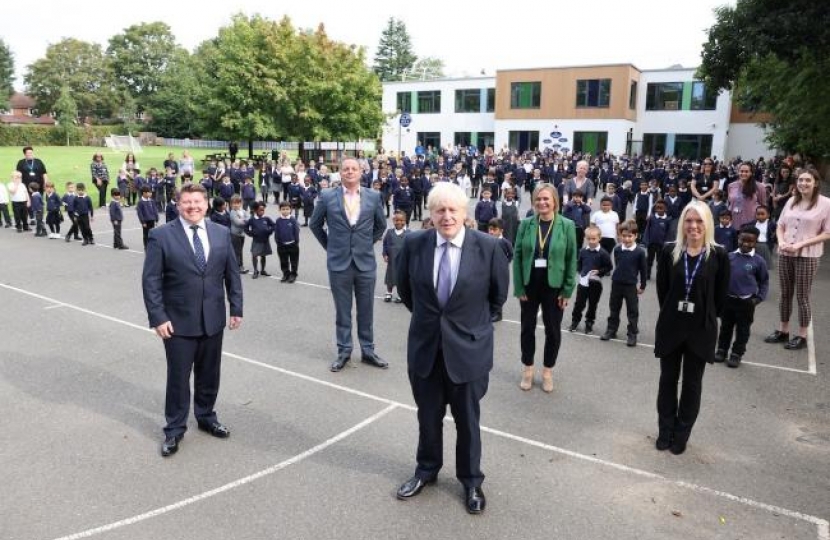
x,y
454,255
202,232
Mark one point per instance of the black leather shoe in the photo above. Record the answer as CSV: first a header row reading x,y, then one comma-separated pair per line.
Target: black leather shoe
x,y
216,429
678,445
632,340
170,446
734,360
796,343
608,336
340,363
777,337
572,327
374,360
475,500
720,356
664,440
412,487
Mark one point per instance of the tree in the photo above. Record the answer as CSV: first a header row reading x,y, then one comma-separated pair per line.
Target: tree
x,y
174,108
141,57
774,56
66,112
270,81
80,66
427,68
6,73
394,56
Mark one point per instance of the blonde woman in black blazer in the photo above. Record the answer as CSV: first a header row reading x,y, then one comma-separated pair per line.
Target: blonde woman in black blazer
x,y
692,283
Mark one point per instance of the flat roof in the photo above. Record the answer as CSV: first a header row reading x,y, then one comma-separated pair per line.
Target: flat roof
x,y
583,66
443,79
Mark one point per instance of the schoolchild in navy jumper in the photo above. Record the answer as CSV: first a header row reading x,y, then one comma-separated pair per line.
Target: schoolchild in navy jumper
x,y
226,189
622,198
309,196
248,193
53,211
580,213
417,183
725,234
259,228
392,243
629,268
496,228
767,239
295,194
82,207
748,286
643,202
171,211
147,213
219,213
593,264
36,202
287,237
656,235
403,199
68,201
485,210
116,219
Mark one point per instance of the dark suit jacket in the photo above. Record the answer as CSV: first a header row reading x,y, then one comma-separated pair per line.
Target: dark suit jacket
x,y
343,242
463,326
176,291
699,331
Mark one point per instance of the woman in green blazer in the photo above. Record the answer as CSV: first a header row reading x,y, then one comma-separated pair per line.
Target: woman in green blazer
x,y
544,274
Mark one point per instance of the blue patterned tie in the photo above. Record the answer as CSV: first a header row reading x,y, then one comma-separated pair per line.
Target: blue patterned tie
x,y
444,285
198,249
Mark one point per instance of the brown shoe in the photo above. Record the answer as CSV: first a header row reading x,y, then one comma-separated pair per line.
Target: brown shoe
x,y
527,378
547,380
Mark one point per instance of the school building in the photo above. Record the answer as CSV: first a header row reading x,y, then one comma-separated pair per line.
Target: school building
x,y
615,107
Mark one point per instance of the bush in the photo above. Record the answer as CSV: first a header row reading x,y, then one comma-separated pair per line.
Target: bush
x,y
54,136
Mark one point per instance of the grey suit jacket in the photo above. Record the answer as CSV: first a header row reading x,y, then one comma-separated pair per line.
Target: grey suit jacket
x,y
343,242
176,291
463,326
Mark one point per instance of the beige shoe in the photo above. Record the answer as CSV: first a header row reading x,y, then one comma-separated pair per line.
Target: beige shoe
x,y
547,379
527,378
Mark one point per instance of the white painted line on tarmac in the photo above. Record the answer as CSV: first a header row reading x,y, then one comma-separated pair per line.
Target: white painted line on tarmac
x,y
107,231
823,526
811,350
55,306
231,485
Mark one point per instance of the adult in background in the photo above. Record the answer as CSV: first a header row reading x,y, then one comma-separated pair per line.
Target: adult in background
x,y
803,228
188,266
100,177
449,278
354,222
233,149
186,164
580,182
745,196
782,189
32,169
692,283
544,275
704,183
133,169
172,163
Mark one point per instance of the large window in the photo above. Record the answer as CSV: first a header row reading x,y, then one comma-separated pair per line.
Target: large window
x,y
590,142
654,144
468,101
593,92
692,146
523,140
525,95
430,138
703,99
405,102
632,96
664,96
463,138
485,139
429,102
491,100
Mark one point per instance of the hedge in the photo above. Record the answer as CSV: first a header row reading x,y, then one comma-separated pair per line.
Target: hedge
x,y
55,136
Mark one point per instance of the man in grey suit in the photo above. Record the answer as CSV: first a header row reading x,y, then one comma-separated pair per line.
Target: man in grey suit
x,y
449,278
354,222
189,264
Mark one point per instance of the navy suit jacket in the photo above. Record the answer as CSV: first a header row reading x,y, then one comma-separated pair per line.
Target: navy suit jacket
x,y
176,291
463,326
343,242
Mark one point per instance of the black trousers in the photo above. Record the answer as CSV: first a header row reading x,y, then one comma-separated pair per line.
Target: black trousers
x,y
83,226
203,357
21,213
102,194
238,242
587,295
653,251
673,415
620,292
40,228
738,315
117,242
53,219
641,218
417,205
73,230
4,214
539,293
608,245
146,227
580,237
432,395
289,258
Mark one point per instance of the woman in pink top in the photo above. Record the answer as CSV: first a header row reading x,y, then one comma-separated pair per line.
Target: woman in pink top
x,y
803,228
745,196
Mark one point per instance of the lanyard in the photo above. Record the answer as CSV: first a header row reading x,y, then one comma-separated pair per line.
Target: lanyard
x,y
543,241
690,278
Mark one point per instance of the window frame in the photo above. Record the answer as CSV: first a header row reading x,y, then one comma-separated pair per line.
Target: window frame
x,y
433,97
596,88
535,89
462,97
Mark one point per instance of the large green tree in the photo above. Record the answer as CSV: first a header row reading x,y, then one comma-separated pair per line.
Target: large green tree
x,y
267,80
141,56
394,55
83,68
428,67
66,113
174,108
774,56
6,73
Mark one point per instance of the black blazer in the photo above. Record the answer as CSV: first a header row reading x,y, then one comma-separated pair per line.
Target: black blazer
x,y
698,330
176,291
462,328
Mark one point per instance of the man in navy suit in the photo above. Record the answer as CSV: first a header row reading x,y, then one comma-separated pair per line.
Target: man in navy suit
x,y
189,264
449,278
354,222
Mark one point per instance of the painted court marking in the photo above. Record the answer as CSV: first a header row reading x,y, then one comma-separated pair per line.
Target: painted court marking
x,y
822,525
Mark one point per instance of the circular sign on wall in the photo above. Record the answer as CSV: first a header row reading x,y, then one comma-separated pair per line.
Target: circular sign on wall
x,y
563,139
406,119
555,134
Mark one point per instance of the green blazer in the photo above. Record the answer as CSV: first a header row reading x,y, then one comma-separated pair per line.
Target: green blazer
x,y
562,255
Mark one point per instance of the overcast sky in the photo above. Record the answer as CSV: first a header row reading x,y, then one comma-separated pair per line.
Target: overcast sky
x,y
650,34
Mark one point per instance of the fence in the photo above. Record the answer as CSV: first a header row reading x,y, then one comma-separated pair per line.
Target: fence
x,y
366,146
